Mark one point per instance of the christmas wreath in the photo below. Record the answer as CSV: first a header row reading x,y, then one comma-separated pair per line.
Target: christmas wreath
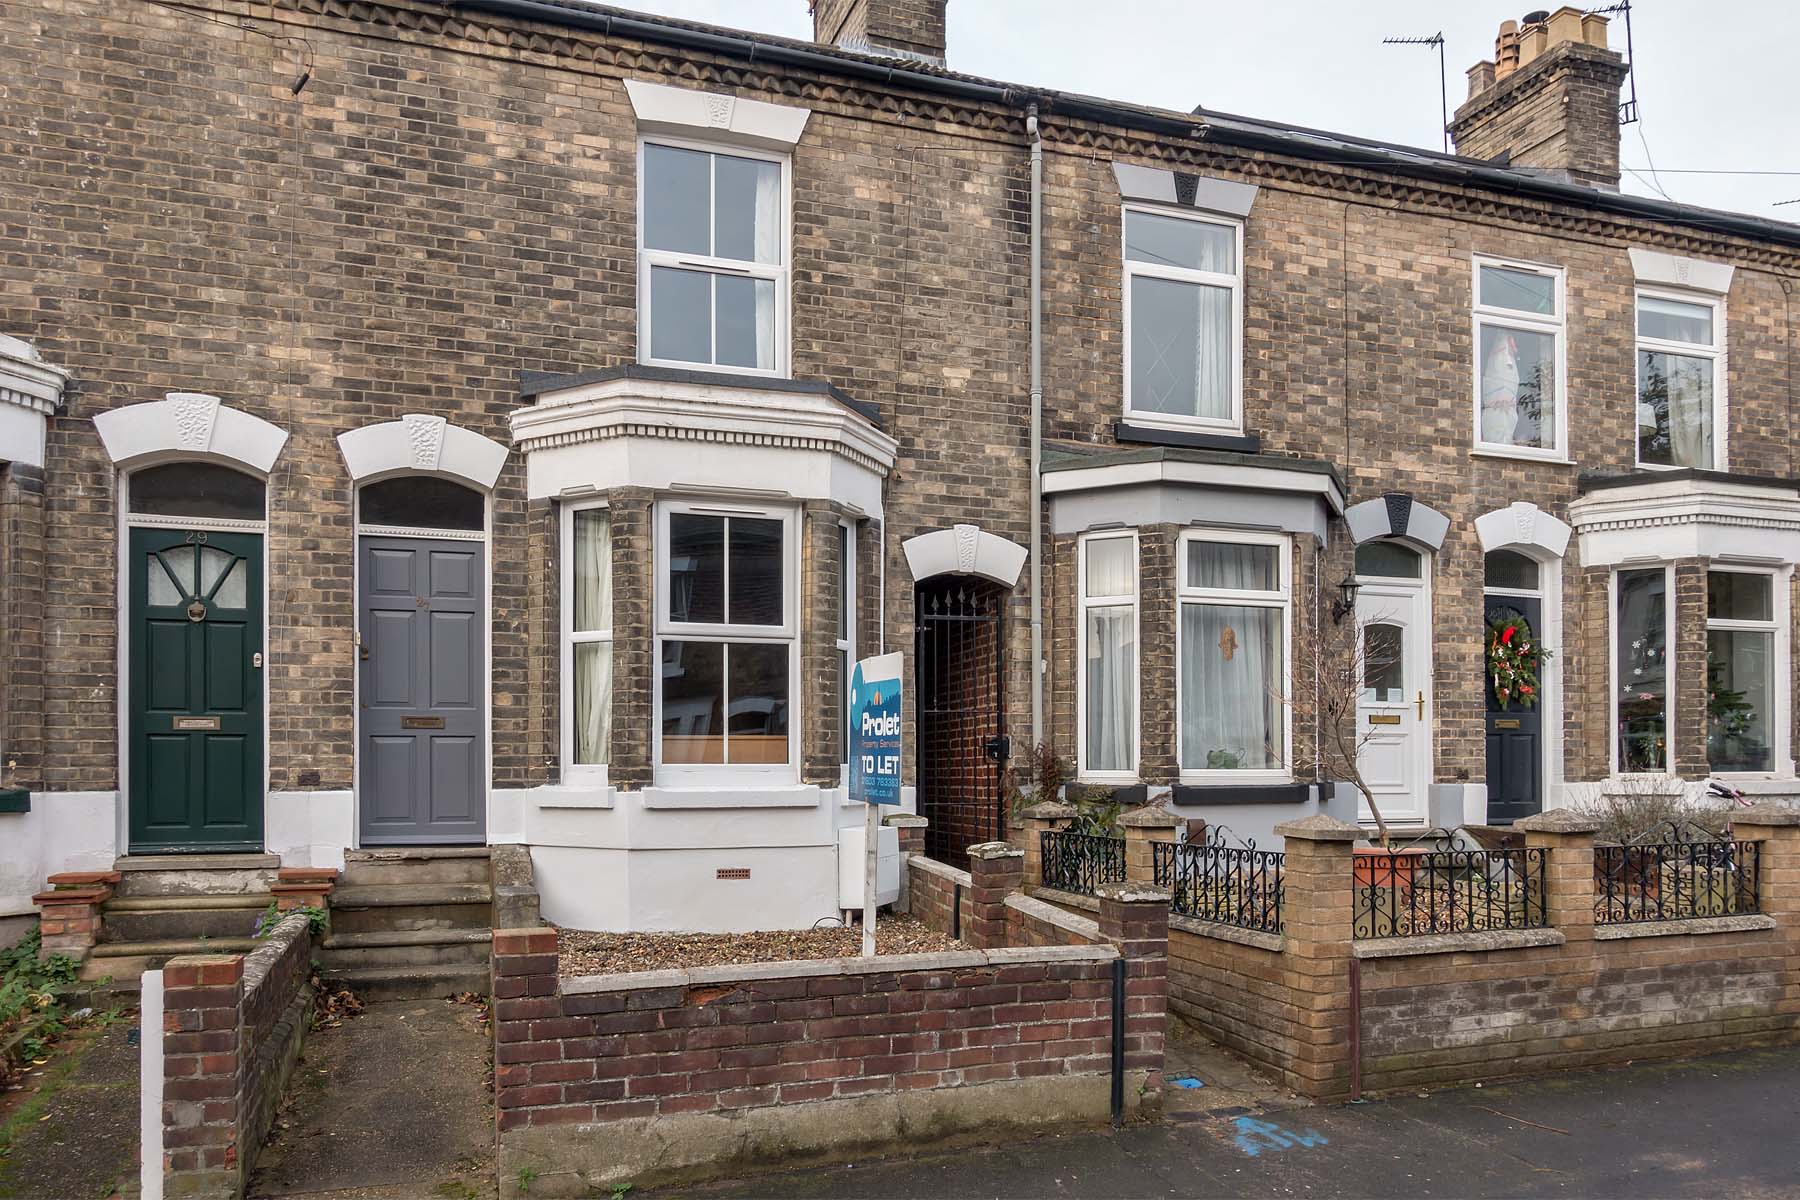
x,y
1513,658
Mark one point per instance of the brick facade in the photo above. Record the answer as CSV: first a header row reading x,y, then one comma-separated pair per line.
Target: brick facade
x,y
452,200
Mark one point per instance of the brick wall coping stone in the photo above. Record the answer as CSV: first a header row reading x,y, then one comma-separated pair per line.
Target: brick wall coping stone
x,y
1457,943
1737,923
1558,820
932,866
992,850
1134,893
1068,899
1049,810
1150,817
1767,814
949,960
1049,914
904,821
270,949
1320,828
1228,933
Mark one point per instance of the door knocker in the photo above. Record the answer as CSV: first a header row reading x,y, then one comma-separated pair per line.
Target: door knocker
x,y
196,611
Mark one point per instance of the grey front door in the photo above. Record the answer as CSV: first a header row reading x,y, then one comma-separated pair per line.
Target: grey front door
x,y
423,765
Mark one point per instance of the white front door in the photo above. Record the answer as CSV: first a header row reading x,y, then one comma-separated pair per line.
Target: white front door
x,y
1393,713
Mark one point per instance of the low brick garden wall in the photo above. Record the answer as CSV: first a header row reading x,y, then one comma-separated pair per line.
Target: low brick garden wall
x,y
232,1030
1331,1015
660,1075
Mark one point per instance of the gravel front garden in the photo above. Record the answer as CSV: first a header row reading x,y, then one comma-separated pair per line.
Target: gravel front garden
x,y
581,953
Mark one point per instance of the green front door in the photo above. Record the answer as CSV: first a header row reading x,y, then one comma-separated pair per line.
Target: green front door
x,y
196,710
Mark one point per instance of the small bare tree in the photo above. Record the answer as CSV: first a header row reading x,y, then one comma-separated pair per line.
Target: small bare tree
x,y
1332,663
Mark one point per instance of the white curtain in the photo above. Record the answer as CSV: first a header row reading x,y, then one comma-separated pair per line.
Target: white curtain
x,y
768,250
1212,352
593,613
1231,668
1690,410
1111,658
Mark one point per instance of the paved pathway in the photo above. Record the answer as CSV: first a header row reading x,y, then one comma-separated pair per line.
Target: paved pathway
x,y
75,1137
391,1105
1722,1126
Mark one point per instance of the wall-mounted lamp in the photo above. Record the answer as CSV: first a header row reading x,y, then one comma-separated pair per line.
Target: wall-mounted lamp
x,y
1345,604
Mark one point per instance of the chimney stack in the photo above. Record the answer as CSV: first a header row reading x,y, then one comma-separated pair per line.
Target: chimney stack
x,y
1548,101
912,29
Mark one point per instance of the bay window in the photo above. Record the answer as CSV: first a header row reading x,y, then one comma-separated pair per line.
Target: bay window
x,y
726,581
1107,647
1234,592
712,258
1641,619
1519,326
846,631
1741,670
1183,320
587,602
1679,409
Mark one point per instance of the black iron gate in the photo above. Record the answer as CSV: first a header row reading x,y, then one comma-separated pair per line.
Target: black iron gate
x,y
962,746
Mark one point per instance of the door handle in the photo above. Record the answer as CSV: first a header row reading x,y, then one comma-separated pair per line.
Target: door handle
x,y
1421,703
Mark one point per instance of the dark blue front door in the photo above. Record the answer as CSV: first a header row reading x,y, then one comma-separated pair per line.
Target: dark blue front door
x,y
1515,743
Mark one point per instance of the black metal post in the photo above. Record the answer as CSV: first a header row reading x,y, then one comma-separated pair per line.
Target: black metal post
x,y
1118,1042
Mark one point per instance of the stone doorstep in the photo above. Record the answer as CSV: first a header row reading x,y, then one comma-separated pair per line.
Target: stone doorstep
x,y
198,862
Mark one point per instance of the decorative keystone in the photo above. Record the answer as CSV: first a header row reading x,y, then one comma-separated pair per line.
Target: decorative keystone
x,y
904,821
993,850
1319,828
1133,893
1150,817
1050,810
1767,814
1558,820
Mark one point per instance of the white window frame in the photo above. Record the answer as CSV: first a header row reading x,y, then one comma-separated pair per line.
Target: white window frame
x,y
1715,352
787,633
1235,282
780,271
573,771
1511,318
1671,635
846,644
1084,603
1780,716
1282,599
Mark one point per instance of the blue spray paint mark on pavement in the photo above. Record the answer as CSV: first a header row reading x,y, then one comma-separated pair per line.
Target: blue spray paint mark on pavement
x,y
1188,1082
1254,1136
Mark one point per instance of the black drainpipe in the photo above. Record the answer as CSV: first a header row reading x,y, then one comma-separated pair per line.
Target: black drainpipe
x,y
956,911
1118,1042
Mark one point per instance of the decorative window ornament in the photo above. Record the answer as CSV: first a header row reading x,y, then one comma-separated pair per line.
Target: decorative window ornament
x,y
1514,657
1228,643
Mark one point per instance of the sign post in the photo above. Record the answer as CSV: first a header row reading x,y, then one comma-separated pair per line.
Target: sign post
x,y
874,762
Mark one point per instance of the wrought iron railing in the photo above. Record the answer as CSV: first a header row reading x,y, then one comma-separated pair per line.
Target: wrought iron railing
x,y
1675,880
1232,885
1081,862
1403,893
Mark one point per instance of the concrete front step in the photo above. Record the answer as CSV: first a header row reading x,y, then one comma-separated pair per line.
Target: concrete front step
x,y
410,864
397,907
174,918
195,874
411,983
407,948
125,962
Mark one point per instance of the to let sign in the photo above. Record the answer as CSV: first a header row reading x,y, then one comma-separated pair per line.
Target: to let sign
x,y
875,730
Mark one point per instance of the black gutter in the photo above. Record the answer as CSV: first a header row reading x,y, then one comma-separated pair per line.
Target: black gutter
x,y
753,51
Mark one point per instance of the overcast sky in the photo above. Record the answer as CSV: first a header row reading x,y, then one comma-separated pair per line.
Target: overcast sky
x,y
1716,81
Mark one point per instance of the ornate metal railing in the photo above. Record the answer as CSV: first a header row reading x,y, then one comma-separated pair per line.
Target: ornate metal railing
x,y
1081,862
1232,885
1675,880
1403,893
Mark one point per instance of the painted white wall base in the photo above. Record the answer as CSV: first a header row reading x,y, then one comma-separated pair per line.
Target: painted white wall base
x,y
679,890
310,829
64,831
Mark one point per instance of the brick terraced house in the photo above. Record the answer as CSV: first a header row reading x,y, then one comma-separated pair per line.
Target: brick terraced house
x,y
441,424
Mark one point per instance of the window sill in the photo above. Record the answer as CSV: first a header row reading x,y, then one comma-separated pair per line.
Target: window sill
x,y
1198,436
793,795
1549,460
1216,792
714,368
